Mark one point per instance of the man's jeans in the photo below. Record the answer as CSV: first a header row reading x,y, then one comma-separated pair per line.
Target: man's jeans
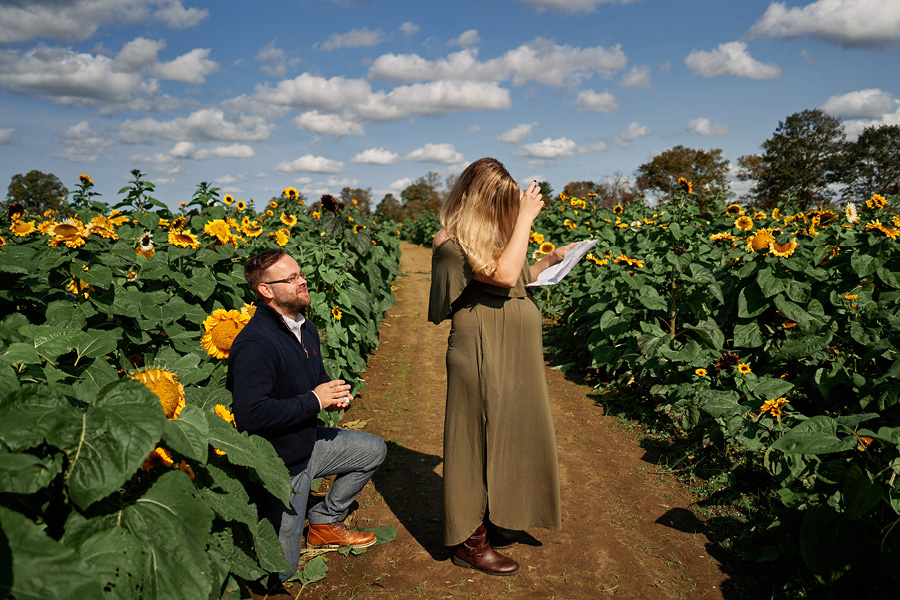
x,y
351,455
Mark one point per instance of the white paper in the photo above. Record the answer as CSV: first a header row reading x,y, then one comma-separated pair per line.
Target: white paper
x,y
556,273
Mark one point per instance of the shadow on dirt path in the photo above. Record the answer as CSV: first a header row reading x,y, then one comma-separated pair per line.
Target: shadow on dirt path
x,y
628,531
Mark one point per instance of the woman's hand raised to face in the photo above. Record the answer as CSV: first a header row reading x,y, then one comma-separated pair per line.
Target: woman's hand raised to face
x,y
530,203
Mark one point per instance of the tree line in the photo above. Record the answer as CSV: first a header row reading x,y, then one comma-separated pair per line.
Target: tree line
x,y
807,162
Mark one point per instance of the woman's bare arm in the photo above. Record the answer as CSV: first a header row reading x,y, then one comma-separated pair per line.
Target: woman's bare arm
x,y
548,260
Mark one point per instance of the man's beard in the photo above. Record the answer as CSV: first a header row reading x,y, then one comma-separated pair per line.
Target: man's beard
x,y
293,303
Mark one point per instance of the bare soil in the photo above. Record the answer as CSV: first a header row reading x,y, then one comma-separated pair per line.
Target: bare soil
x,y
628,527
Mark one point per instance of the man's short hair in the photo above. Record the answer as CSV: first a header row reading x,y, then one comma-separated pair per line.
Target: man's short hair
x,y
256,266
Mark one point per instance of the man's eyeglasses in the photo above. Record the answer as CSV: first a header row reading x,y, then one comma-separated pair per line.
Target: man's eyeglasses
x,y
292,279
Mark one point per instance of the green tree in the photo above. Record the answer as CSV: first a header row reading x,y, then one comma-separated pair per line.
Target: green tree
x,y
580,189
389,209
706,170
799,162
38,192
422,195
872,163
546,190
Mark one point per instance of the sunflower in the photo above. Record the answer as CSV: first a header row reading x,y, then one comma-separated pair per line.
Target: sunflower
x,y
685,185
70,232
537,238
289,192
251,228
888,231
184,239
249,309
700,372
282,236
228,199
617,209
744,368
220,329
547,248
15,210
358,227
273,205
596,260
773,407
782,250
877,201
219,229
289,220
241,205
84,179
166,387
226,414
329,203
568,223
760,240
178,224
744,222
159,456
145,246
78,286
851,296
22,228
316,214
722,236
789,324
103,227
850,213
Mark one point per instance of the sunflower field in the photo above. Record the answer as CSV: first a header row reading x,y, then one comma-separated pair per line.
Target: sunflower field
x,y
770,339
121,472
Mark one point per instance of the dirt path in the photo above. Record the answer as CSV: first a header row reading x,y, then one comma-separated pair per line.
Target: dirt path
x,y
627,530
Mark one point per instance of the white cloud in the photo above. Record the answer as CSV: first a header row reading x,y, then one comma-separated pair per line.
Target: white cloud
x,y
409,28
730,58
541,60
312,92
474,128
632,133
188,150
401,184
466,39
854,127
852,23
82,144
230,151
208,124
310,164
862,104
637,77
75,20
328,124
590,100
226,180
376,156
275,62
703,126
434,98
570,6
517,134
592,148
7,137
140,55
357,38
437,153
548,148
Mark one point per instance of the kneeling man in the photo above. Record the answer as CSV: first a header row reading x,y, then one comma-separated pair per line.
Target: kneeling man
x,y
279,384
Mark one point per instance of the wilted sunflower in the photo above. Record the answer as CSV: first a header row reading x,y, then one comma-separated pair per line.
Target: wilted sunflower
x,y
22,228
219,330
70,232
547,248
782,250
727,362
15,210
329,203
282,237
289,220
228,199
336,313
789,324
145,246
760,240
166,387
744,223
184,239
617,209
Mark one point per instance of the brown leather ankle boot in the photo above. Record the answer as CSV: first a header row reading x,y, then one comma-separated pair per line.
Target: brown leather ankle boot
x,y
476,553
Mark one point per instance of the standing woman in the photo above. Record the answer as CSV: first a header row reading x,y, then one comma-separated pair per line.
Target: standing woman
x,y
500,464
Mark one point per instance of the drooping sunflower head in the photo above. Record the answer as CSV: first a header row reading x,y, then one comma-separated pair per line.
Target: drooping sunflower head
x,y
685,185
744,223
15,210
289,220
783,250
165,385
85,180
329,203
184,239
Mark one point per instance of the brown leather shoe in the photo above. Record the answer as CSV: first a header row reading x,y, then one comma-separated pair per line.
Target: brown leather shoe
x,y
476,553
335,535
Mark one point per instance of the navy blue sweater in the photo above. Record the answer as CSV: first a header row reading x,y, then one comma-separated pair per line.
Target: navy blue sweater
x,y
271,379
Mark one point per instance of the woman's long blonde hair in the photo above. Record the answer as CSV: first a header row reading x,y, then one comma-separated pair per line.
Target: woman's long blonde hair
x,y
480,212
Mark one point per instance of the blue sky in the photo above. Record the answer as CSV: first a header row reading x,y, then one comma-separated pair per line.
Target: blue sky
x,y
323,94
